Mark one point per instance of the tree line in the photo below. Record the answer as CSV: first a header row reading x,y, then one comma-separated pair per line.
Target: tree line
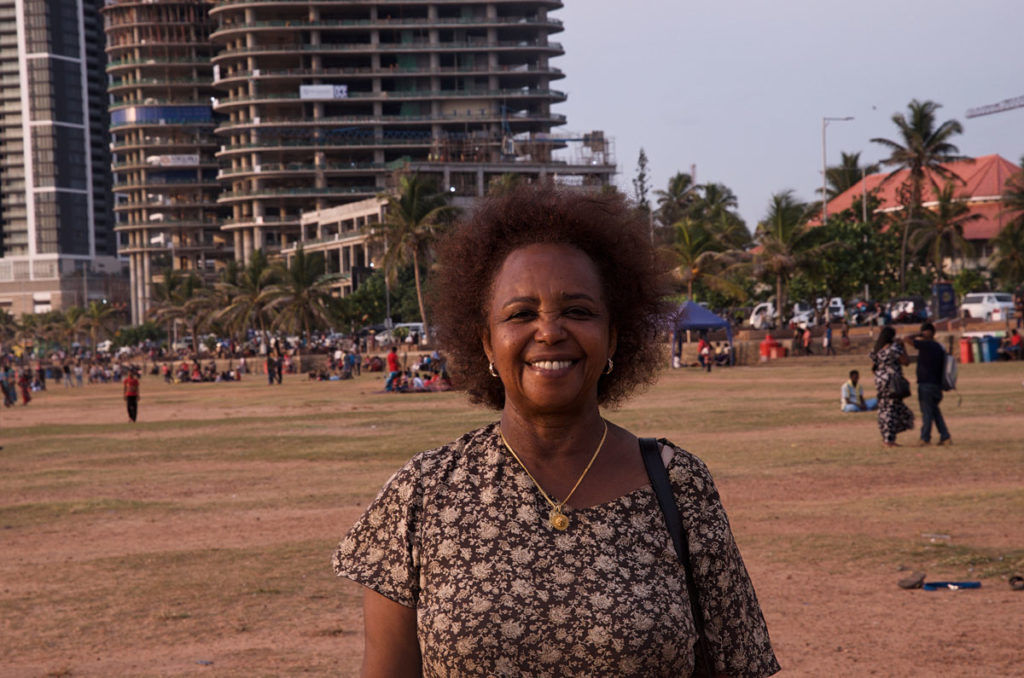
x,y
715,257
895,253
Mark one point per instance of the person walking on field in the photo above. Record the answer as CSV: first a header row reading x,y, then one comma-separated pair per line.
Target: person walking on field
x,y
826,341
131,393
931,362
25,382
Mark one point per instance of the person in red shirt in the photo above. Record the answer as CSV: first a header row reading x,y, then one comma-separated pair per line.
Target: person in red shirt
x,y
131,393
1015,345
393,369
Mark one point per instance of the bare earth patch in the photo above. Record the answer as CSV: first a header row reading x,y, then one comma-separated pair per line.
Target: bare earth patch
x,y
197,542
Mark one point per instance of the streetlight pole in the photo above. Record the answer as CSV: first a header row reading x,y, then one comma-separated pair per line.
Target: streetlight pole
x,y
824,166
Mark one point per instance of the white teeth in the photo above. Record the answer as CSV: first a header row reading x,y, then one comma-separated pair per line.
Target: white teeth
x,y
552,364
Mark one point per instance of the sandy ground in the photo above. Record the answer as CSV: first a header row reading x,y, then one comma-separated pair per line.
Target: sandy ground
x,y
828,615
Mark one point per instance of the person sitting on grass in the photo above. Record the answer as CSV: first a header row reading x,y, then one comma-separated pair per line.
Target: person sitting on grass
x,y
1012,345
852,396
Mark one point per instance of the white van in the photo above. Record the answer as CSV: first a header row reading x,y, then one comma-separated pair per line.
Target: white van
x,y
387,336
763,316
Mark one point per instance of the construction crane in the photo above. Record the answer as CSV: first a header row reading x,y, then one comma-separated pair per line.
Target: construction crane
x,y
1007,105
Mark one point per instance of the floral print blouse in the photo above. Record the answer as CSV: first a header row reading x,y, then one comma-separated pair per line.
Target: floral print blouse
x,y
461,534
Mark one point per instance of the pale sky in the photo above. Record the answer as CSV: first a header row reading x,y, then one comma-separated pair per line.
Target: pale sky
x,y
739,88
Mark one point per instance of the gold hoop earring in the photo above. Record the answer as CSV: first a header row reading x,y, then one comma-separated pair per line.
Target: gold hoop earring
x,y
490,368
608,369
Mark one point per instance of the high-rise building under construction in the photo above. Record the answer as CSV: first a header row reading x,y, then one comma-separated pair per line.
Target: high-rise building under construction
x,y
324,101
231,118
161,120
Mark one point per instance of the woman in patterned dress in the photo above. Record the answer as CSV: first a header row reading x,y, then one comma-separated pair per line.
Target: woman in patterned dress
x,y
535,546
888,359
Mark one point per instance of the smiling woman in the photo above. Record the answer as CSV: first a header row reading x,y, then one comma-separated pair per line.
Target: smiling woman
x,y
536,545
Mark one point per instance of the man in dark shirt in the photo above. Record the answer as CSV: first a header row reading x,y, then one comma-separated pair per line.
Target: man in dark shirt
x,y
931,363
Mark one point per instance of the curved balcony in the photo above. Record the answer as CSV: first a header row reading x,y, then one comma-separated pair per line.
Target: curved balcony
x,y
244,28
189,202
554,48
417,95
162,184
251,222
196,60
170,223
117,85
424,141
266,169
227,5
305,73
208,163
198,141
491,117
296,193
149,43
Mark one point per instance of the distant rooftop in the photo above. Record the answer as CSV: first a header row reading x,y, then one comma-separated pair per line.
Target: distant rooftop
x,y
984,181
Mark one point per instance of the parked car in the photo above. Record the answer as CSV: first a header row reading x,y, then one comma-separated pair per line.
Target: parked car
x,y
865,312
803,315
987,305
411,332
836,309
763,316
909,310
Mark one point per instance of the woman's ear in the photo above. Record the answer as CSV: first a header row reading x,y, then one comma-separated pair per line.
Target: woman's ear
x,y
485,340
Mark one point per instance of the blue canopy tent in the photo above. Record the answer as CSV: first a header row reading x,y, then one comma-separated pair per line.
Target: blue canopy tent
x,y
691,316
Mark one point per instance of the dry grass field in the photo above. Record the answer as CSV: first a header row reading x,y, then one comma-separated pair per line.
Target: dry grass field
x,y
197,541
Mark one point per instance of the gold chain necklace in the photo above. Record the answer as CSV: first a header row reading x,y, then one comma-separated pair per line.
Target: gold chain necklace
x,y
558,520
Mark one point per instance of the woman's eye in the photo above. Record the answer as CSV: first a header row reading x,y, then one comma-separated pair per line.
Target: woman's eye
x,y
579,312
522,315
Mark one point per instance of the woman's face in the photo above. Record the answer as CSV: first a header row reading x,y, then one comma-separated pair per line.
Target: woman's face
x,y
548,330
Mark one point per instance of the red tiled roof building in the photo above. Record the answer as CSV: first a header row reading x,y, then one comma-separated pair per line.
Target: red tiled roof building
x,y
984,181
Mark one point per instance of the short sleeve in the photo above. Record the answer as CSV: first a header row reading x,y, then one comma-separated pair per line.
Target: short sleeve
x,y
734,625
381,551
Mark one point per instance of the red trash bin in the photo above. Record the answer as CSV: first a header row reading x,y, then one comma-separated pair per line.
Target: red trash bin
x,y
966,355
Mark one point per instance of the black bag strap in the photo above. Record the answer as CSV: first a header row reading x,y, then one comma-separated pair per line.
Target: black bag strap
x,y
650,450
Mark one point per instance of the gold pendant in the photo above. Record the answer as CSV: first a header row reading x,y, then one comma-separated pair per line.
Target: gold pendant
x,y
558,520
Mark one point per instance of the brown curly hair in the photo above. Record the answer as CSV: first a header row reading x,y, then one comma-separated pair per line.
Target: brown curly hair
x,y
604,226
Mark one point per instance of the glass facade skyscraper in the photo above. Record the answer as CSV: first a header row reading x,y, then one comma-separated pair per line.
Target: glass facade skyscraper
x,y
56,219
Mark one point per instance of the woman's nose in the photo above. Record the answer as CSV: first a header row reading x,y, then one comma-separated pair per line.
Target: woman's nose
x,y
549,327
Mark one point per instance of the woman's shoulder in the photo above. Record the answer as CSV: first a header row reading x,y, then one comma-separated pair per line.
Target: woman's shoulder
x,y
683,466
438,465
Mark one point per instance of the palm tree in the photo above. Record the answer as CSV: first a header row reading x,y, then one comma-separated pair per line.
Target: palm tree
x,y
941,230
1013,194
8,326
844,176
702,256
189,303
504,183
1008,259
242,290
924,149
70,326
97,317
787,244
676,200
715,207
414,219
302,300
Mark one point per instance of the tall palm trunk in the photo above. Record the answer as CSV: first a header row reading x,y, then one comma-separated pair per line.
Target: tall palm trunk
x,y
780,301
419,294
